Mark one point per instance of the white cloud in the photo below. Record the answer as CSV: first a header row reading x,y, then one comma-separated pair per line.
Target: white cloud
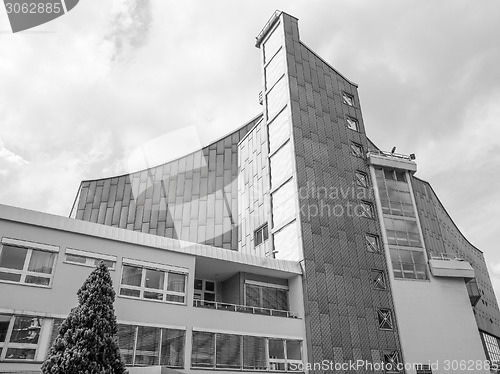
x,y
10,157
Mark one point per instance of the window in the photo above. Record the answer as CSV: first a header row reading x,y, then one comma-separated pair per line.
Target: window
x,y
361,179
395,175
19,337
357,150
378,280
24,262
408,263
402,232
365,209
261,235
254,353
75,256
423,369
284,355
231,351
347,99
152,283
384,317
268,297
392,361
352,123
149,346
492,347
204,290
372,243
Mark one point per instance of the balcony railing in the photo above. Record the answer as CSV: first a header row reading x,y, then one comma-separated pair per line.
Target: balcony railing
x,y
446,257
390,154
243,309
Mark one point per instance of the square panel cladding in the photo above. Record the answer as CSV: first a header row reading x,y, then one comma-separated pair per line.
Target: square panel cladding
x,y
341,301
193,198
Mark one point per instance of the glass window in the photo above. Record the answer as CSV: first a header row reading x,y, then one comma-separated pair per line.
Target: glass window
x,y
26,265
423,369
21,343
172,348
357,150
366,210
13,257
41,262
361,179
276,349
266,297
154,279
372,243
132,276
203,353
261,235
378,280
150,284
352,123
4,326
391,361
347,99
152,346
176,282
254,353
408,263
384,319
87,258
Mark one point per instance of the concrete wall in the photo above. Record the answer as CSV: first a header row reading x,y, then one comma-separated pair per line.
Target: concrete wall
x,y
441,235
436,324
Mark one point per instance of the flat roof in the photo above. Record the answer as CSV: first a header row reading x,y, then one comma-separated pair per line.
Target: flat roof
x,y
52,221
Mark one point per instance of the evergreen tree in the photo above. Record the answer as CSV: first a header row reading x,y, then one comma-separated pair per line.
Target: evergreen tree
x,y
85,342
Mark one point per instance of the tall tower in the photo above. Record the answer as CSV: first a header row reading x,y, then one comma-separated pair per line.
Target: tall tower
x,y
323,211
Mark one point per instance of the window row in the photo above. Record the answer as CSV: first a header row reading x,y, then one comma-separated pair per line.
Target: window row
x,y
492,346
34,263
153,284
148,346
242,352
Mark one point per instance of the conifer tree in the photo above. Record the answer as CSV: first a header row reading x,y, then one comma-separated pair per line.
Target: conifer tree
x,y
85,343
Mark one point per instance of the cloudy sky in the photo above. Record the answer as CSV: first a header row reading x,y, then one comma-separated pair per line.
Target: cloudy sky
x,y
81,95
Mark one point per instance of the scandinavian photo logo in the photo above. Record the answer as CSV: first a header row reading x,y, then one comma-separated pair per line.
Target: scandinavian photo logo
x,y
26,14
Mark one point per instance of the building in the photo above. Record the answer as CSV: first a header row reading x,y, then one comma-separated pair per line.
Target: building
x,y
292,244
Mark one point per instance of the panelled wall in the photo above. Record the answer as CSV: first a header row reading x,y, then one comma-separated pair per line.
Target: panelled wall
x,y
333,211
193,198
254,206
441,235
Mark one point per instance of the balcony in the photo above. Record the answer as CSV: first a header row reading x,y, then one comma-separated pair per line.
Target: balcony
x,y
449,265
392,160
243,309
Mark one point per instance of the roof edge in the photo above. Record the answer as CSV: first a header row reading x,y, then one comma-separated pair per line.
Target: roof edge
x,y
56,222
448,214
